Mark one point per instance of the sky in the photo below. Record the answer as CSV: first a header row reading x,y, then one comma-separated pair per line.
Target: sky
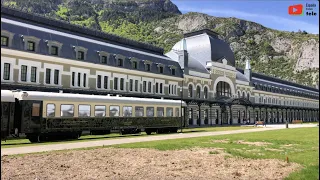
x,y
269,13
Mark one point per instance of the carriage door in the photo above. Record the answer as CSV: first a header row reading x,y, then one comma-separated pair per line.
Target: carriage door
x,y
31,115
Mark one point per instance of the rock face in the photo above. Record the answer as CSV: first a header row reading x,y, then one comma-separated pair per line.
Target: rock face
x,y
287,55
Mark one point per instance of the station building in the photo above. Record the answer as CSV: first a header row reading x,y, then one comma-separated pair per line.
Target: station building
x,y
42,54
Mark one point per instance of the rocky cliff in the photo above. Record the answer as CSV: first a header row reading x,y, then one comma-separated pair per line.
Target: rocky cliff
x,y
293,56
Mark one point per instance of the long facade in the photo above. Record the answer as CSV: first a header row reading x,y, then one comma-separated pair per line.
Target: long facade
x,y
42,54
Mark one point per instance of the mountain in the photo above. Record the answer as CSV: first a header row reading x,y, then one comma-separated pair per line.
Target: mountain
x,y
293,56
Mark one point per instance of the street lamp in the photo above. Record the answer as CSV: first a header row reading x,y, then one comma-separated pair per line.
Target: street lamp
x,y
181,117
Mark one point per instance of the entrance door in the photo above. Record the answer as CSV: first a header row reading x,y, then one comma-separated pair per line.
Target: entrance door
x,y
224,115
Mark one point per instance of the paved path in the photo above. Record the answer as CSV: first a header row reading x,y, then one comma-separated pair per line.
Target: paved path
x,y
74,145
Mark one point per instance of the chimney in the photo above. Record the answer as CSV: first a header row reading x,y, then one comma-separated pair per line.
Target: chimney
x,y
247,71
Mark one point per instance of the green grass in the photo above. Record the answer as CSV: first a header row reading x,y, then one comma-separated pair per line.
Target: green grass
x,y
25,142
305,148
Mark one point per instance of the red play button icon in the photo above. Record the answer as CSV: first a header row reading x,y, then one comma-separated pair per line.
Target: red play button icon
x,y
296,9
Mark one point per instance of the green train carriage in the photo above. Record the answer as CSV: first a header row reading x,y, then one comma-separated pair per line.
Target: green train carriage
x,y
47,115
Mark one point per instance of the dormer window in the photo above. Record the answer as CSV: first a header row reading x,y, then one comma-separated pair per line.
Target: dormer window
x,y
104,59
81,52
161,69
54,50
173,70
4,41
148,67
31,46
80,55
54,47
134,65
120,62
6,38
31,43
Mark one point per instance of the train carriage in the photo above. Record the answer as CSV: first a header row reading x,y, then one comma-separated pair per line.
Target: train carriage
x,y
7,113
47,115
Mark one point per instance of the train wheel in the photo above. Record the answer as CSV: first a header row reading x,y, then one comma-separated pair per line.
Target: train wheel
x,y
148,132
34,138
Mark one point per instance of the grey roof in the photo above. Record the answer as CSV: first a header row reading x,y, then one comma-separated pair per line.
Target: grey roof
x,y
241,77
202,47
68,42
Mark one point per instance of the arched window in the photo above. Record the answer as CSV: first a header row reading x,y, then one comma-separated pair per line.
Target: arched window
x,y
223,89
239,94
198,92
190,90
205,92
248,96
243,95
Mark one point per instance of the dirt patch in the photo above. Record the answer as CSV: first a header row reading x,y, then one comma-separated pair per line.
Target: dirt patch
x,y
253,143
113,163
221,141
271,149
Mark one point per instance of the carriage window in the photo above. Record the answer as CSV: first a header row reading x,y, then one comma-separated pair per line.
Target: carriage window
x,y
150,111
177,112
139,111
127,111
35,109
67,110
160,111
114,111
51,109
100,111
169,112
84,111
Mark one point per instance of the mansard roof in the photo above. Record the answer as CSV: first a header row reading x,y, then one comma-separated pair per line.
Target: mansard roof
x,y
71,36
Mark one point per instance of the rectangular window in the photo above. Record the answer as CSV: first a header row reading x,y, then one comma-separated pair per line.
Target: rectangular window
x,y
100,111
33,74
134,65
114,111
67,110
99,81
136,85
149,87
127,111
105,85
48,76
84,111
157,87
79,79
80,55
177,112
161,69
121,84
115,83
150,111
56,77
73,77
120,62
51,110
148,67
131,85
169,112
104,60
54,50
139,111
31,46
144,86
4,41
173,72
36,109
160,111
6,71
84,80
160,88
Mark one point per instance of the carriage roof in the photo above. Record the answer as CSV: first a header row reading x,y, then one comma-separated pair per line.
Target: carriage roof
x,y
7,96
69,97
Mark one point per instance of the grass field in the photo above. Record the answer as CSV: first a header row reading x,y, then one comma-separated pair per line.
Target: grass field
x,y
300,145
25,142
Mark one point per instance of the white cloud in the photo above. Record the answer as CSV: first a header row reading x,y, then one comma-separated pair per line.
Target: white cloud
x,y
289,24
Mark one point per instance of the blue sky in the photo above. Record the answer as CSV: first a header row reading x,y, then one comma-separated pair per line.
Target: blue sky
x,y
270,13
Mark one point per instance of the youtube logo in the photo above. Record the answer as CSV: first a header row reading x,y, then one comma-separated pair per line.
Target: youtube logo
x,y
296,9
